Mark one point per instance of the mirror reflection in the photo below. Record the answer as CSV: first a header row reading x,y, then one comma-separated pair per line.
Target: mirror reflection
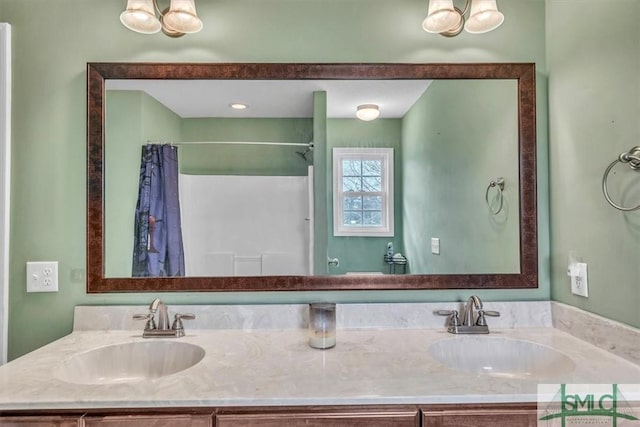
x,y
408,192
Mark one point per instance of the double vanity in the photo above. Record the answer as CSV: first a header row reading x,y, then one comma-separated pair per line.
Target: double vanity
x,y
394,364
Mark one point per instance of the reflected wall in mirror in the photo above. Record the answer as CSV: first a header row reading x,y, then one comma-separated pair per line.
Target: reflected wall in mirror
x,y
453,130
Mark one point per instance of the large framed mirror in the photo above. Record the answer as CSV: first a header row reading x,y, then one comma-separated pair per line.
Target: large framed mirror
x,y
453,207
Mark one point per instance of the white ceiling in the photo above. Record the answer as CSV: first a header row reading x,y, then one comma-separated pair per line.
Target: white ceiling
x,y
277,98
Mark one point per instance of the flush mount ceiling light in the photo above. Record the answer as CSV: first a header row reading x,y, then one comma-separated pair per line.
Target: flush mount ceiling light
x,y
238,106
446,19
367,112
145,17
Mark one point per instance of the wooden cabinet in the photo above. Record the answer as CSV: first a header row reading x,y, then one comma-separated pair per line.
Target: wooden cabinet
x,y
41,421
149,421
319,417
460,415
475,416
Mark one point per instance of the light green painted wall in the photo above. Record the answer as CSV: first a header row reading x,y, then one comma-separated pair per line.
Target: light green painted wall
x,y
52,45
244,159
593,51
133,118
448,161
364,253
321,205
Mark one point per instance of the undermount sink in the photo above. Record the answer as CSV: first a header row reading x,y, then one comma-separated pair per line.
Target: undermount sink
x,y
501,357
135,361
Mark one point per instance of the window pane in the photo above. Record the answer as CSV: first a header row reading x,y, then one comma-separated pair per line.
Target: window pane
x,y
352,203
351,184
372,203
351,167
372,183
352,218
372,168
372,218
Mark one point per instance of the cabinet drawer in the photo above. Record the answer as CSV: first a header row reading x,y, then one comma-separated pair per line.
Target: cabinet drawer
x,y
149,421
40,421
480,418
321,419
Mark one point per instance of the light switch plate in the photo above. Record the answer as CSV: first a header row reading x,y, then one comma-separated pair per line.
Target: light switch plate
x,y
579,282
435,245
42,276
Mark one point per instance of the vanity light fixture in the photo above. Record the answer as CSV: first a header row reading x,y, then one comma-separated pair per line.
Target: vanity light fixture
x,y
238,106
145,17
448,20
367,112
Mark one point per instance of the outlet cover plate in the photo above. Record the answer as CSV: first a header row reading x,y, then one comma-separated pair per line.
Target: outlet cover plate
x,y
580,282
42,276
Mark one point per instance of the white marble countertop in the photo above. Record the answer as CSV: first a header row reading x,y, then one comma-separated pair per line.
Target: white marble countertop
x,y
277,367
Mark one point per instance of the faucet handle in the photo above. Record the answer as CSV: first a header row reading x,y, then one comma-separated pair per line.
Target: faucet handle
x,y
481,316
177,322
454,319
151,323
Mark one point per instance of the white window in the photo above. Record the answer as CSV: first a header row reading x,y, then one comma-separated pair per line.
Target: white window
x,y
363,192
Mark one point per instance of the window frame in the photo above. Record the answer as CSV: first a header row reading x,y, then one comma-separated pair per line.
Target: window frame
x,y
387,176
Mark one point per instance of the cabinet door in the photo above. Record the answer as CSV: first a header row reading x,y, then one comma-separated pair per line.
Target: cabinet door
x,y
149,421
481,418
321,419
43,421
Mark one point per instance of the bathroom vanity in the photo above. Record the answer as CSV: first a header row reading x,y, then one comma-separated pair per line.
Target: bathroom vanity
x,y
257,369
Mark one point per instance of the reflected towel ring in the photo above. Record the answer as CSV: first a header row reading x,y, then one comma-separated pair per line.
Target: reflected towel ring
x,y
498,183
632,158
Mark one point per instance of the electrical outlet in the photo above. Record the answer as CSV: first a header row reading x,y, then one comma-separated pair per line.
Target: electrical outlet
x,y
579,281
42,276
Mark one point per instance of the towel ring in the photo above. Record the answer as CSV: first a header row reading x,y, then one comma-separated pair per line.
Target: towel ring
x,y
632,158
498,183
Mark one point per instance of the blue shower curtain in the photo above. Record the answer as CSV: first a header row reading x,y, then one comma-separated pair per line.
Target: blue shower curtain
x,y
158,249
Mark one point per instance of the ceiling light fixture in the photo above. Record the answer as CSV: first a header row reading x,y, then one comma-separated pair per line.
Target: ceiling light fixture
x,y
367,112
145,17
446,19
238,106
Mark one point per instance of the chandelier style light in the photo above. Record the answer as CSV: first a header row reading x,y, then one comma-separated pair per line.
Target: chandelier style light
x,y
145,17
446,19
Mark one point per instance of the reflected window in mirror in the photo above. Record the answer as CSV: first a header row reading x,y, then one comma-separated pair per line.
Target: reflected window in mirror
x,y
363,202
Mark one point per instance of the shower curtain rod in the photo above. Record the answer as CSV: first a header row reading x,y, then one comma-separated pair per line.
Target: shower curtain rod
x,y
295,144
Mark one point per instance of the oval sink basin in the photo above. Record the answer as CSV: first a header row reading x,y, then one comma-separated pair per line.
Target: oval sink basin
x,y
128,362
501,357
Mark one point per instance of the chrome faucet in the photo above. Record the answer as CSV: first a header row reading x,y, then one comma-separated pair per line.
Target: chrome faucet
x,y
471,324
468,318
161,328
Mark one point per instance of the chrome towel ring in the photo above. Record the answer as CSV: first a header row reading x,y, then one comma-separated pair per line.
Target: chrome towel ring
x,y
498,184
632,158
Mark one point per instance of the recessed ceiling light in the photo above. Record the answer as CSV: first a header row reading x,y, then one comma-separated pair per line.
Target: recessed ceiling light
x,y
238,106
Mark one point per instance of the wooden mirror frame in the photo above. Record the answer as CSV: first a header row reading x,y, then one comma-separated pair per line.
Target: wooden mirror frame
x,y
97,73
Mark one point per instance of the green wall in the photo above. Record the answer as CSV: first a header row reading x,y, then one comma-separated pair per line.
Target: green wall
x,y
458,137
52,45
244,159
321,205
593,50
364,253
